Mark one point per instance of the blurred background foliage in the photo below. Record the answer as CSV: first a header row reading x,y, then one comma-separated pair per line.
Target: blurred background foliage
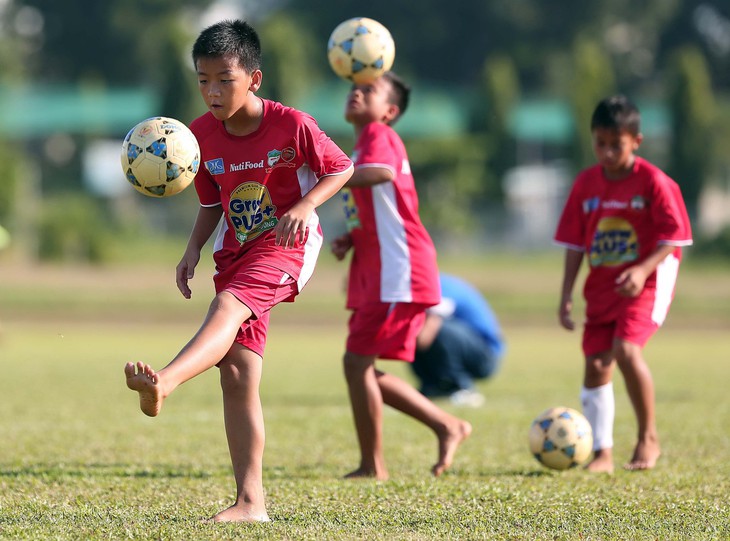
x,y
498,126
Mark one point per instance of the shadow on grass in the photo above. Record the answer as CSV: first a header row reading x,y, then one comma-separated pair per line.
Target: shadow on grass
x,y
528,474
52,471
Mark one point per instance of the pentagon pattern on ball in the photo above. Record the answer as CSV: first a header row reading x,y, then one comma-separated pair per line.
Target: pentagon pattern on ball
x,y
360,50
160,157
561,438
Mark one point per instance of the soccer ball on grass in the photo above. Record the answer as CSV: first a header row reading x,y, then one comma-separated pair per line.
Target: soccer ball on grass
x,y
160,156
360,50
561,438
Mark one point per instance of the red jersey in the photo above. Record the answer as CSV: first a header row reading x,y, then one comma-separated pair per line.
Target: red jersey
x,y
259,177
394,257
618,223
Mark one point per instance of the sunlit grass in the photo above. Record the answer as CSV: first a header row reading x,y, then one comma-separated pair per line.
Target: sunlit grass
x,y
79,461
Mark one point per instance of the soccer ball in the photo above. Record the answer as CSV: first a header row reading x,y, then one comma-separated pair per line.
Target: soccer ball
x,y
160,156
360,50
561,438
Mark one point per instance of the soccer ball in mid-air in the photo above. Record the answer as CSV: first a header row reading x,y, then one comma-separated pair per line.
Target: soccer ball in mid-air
x,y
160,156
561,438
360,50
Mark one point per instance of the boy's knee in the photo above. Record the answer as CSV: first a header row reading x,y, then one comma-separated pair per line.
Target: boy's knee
x,y
355,365
229,376
625,352
599,369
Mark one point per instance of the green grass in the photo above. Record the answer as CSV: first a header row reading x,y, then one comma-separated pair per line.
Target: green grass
x,y
78,460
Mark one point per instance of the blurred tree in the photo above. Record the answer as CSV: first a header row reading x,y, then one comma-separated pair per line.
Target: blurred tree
x,y
693,106
593,80
17,42
135,42
501,93
572,50
289,71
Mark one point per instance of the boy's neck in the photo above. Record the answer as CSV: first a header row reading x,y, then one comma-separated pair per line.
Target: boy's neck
x,y
621,173
247,119
360,127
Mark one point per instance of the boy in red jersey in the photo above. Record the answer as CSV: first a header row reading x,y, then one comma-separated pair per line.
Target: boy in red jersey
x,y
266,168
630,221
393,277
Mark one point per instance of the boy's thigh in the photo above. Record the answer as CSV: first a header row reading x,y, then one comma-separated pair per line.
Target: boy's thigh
x,y
260,287
386,330
633,324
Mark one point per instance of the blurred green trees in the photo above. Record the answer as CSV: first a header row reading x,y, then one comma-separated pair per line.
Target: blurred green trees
x,y
487,58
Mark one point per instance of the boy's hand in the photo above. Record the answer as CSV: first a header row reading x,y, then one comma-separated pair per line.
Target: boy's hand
x,y
292,226
341,245
630,282
566,321
185,271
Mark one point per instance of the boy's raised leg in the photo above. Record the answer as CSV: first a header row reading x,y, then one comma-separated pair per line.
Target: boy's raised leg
x,y
450,431
143,379
203,351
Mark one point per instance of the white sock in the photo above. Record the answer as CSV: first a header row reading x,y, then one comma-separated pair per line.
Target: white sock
x,y
599,408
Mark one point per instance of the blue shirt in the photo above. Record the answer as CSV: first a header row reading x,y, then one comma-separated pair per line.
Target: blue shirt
x,y
466,303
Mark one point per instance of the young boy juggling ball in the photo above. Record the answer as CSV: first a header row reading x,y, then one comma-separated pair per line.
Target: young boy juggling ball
x,y
267,167
393,278
629,220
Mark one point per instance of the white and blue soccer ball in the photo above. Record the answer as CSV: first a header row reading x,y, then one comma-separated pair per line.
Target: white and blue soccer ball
x,y
360,50
561,438
160,157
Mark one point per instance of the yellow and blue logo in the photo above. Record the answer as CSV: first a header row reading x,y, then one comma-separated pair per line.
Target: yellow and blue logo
x,y
614,243
251,211
352,220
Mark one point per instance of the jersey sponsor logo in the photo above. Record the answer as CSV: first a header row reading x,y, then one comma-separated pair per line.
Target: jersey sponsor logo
x,y
614,243
245,166
352,221
405,167
251,211
280,158
589,205
613,204
215,167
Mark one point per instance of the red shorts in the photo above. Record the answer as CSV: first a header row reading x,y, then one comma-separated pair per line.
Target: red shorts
x,y
386,330
260,287
636,322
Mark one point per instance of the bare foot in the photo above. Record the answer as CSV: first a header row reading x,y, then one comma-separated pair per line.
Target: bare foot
x,y
646,454
145,381
362,473
242,513
449,440
602,462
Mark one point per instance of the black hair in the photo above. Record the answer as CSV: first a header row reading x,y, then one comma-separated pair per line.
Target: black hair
x,y
232,38
399,94
617,113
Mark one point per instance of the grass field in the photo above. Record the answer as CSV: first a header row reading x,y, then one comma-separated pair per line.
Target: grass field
x,y
79,461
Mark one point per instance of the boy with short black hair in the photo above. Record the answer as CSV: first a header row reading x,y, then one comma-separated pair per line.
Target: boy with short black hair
x,y
629,219
266,168
393,278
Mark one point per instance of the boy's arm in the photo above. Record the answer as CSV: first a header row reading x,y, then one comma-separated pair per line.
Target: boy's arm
x,y
369,175
631,281
573,260
205,223
292,226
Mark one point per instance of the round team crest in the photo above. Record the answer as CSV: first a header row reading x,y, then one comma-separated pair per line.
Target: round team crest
x,y
251,211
